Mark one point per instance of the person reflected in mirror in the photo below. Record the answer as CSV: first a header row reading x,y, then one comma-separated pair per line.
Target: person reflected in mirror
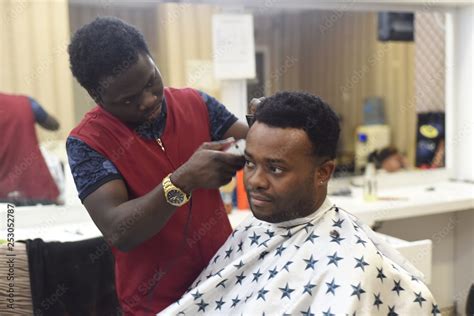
x,y
24,175
389,159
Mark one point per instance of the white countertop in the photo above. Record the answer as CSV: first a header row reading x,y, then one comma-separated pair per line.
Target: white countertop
x,y
412,193
410,201
69,223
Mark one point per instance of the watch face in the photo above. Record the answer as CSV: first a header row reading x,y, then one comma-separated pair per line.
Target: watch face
x,y
175,197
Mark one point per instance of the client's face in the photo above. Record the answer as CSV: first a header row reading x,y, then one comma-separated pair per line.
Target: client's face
x,y
280,173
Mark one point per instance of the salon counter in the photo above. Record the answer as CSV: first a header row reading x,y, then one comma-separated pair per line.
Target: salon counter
x,y
411,194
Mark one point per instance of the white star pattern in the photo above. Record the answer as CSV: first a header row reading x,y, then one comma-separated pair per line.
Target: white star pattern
x,y
328,257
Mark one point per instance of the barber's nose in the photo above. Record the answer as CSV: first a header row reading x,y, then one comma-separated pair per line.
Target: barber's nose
x,y
149,99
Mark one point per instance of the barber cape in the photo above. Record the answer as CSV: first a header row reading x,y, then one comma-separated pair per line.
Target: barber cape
x,y
328,263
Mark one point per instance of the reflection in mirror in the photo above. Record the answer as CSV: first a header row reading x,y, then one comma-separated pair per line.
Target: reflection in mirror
x,y
389,94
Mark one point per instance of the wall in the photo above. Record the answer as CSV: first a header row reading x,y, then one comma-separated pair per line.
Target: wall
x,y
460,94
429,62
463,258
185,46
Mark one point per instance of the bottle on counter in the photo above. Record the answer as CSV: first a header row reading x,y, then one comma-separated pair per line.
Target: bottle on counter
x,y
370,182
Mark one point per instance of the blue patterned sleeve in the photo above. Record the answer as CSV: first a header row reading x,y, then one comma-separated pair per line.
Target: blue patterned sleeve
x,y
220,119
38,111
89,168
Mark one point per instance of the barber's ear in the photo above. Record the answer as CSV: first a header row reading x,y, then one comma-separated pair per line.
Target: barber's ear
x,y
324,172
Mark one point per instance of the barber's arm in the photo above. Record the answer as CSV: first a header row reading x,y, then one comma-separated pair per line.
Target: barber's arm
x,y
238,130
43,118
220,118
50,123
127,223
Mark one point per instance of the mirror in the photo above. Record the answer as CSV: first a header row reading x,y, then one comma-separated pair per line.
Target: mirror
x,y
336,54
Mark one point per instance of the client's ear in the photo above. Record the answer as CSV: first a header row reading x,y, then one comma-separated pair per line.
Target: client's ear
x,y
324,172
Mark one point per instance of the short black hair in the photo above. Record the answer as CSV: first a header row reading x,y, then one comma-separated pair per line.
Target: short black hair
x,y
303,111
105,47
379,156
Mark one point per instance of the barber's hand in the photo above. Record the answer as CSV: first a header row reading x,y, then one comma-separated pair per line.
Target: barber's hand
x,y
254,103
209,167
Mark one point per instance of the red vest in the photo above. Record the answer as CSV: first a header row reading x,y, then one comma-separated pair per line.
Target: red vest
x,y
158,272
22,166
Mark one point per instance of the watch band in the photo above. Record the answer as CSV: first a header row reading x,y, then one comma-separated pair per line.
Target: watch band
x,y
168,186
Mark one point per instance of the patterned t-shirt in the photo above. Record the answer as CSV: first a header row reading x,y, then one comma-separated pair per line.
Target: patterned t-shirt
x,y
91,169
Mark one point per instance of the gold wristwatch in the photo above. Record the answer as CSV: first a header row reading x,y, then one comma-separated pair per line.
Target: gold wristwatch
x,y
174,195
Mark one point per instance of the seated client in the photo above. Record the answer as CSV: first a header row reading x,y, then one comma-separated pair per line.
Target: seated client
x,y
299,254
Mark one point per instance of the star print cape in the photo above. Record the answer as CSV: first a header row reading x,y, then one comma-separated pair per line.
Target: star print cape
x,y
328,263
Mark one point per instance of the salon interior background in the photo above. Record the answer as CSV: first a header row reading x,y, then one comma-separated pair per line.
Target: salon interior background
x,y
333,53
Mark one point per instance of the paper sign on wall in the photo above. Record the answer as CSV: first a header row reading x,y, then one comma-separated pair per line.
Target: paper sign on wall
x,y
233,46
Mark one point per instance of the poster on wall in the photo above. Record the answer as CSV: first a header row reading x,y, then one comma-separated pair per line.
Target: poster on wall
x,y
233,46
